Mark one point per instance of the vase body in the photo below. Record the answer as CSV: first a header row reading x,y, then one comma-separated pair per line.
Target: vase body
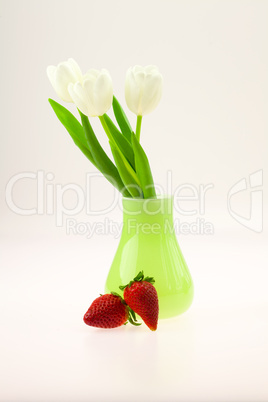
x,y
148,243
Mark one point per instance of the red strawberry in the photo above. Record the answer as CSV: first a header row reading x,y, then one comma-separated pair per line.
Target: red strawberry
x,y
141,297
109,311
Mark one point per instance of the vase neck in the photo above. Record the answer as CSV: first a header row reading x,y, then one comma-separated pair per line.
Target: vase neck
x,y
151,215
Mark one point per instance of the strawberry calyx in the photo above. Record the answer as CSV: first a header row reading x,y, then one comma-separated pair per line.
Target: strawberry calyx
x,y
131,314
139,278
132,317
116,294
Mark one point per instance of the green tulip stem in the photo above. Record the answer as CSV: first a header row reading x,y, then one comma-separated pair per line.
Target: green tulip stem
x,y
125,169
138,127
108,132
106,128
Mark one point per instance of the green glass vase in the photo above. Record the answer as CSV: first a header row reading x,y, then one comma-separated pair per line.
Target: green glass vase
x,y
148,243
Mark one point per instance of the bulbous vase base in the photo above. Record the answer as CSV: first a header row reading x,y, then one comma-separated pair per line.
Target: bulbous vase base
x,y
148,243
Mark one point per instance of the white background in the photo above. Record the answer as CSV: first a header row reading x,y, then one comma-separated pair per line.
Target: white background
x,y
209,128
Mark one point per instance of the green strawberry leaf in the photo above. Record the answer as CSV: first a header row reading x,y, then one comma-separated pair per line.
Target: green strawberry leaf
x,y
138,278
132,317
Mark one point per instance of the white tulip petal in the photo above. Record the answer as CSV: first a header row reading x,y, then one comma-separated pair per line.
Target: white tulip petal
x,y
143,89
62,75
132,92
139,78
103,93
76,69
77,94
151,69
51,75
152,93
92,93
103,70
91,74
137,69
89,87
86,96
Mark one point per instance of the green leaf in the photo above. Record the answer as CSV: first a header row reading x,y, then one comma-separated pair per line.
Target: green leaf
x,y
133,314
139,277
71,124
149,279
132,317
89,145
102,161
116,294
73,127
86,152
126,172
143,169
122,119
124,146
133,322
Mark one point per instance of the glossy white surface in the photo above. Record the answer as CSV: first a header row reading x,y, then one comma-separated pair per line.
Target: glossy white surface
x,y
210,129
217,351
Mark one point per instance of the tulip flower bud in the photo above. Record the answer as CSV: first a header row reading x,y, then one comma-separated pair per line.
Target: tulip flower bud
x,y
94,95
62,75
143,89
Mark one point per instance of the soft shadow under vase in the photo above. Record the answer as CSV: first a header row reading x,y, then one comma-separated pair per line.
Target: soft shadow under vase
x,y
148,242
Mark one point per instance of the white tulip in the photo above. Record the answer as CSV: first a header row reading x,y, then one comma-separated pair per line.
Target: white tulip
x,y
94,94
62,75
143,89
